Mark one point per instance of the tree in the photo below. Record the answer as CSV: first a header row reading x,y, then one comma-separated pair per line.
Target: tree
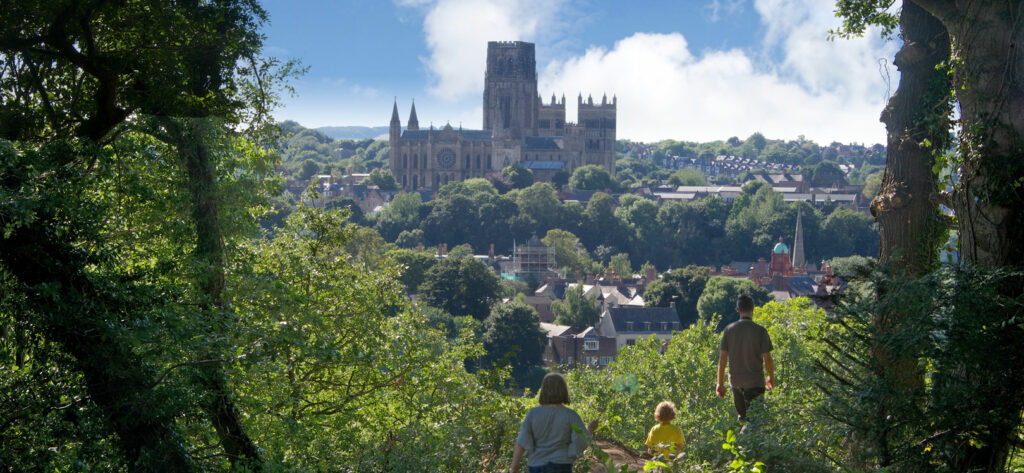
x,y
72,75
569,253
978,46
577,310
461,287
309,169
620,263
850,233
825,174
356,214
383,179
720,294
540,203
757,140
512,336
414,266
410,238
681,286
590,177
688,177
518,176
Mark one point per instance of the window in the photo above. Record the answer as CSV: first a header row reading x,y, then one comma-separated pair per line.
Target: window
x,y
606,360
675,326
629,326
647,326
630,342
664,326
591,345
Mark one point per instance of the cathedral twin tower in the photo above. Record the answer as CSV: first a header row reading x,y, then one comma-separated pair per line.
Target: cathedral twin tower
x,y
518,128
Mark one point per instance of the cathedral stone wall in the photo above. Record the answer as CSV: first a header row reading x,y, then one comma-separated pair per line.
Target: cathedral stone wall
x,y
517,128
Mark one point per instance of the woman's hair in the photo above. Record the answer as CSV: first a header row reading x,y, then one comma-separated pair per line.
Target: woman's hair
x,y
665,412
553,389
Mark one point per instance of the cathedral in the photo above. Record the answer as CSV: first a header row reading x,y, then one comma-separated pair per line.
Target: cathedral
x,y
518,127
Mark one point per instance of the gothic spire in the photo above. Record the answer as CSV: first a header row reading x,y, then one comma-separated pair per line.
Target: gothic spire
x,y
414,123
394,114
798,243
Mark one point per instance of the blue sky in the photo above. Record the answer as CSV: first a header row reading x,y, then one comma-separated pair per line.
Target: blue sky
x,y
694,70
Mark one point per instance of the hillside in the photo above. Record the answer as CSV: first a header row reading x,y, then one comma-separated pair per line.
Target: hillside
x,y
354,132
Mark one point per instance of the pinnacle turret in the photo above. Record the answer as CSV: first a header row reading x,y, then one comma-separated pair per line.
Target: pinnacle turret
x,y
414,123
394,114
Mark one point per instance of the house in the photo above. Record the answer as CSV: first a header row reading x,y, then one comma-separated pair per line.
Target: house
x,y
542,304
627,324
566,347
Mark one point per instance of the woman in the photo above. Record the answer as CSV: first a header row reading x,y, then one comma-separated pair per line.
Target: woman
x,y
552,435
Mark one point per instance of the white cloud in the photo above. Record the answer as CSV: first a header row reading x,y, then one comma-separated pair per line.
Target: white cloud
x,y
457,32
826,91
716,8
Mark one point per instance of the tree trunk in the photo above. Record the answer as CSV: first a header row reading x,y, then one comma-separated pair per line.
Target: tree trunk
x,y
915,120
189,137
990,89
989,198
906,210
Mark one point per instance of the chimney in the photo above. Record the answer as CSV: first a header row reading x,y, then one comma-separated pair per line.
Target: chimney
x,y
652,273
490,254
419,247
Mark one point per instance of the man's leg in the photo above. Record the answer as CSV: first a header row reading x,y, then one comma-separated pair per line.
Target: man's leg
x,y
741,397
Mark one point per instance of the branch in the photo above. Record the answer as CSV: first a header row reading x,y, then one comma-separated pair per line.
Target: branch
x,y
179,365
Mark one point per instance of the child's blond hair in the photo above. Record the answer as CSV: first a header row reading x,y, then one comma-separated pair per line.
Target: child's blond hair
x,y
665,412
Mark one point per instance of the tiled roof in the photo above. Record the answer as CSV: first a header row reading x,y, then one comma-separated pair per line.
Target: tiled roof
x,y
802,285
542,165
639,315
468,135
543,143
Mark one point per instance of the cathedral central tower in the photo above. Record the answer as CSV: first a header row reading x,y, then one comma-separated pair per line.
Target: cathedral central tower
x,y
510,90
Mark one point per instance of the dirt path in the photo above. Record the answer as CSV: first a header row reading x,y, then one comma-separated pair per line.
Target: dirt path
x,y
620,455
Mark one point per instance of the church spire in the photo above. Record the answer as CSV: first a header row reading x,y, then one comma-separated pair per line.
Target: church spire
x,y
414,123
798,243
394,114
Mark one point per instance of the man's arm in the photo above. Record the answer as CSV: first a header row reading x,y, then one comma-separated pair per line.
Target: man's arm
x,y
720,384
769,365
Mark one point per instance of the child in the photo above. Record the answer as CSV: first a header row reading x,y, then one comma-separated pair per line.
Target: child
x,y
665,437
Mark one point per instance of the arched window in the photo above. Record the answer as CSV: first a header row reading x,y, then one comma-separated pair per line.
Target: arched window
x,y
405,160
467,161
478,161
405,182
415,180
415,161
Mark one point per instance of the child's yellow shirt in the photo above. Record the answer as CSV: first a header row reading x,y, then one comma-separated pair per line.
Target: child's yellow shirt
x,y
668,435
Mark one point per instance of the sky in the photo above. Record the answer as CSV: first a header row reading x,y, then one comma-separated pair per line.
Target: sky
x,y
693,70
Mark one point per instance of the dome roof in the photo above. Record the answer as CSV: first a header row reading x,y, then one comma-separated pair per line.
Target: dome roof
x,y
780,248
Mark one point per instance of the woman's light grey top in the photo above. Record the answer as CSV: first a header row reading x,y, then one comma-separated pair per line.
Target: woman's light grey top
x,y
552,433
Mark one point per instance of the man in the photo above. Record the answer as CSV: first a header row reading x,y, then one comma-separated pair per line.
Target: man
x,y
744,345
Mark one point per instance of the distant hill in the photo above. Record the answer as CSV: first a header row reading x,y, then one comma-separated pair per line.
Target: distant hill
x,y
353,132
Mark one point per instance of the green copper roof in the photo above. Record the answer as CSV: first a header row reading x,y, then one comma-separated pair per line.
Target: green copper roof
x,y
780,248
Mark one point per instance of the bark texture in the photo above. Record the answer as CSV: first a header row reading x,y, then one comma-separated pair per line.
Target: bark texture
x,y
189,137
916,114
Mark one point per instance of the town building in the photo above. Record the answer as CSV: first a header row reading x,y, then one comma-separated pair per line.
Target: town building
x,y
518,127
629,324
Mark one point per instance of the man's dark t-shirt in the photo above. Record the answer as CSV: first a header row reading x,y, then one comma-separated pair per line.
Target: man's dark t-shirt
x,y
746,342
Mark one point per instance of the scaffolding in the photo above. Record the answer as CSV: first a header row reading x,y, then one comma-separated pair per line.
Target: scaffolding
x,y
533,260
